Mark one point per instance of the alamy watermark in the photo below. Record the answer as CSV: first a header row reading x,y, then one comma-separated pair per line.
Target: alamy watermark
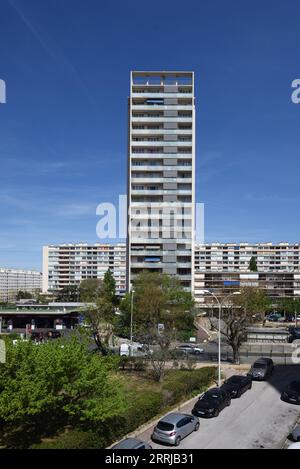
x,y
295,97
2,92
150,220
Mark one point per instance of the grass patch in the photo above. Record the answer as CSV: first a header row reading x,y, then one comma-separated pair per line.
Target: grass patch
x,y
146,399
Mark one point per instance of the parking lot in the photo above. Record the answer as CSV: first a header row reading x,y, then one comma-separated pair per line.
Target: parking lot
x,y
259,419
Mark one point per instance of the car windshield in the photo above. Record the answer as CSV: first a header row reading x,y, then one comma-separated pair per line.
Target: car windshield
x,y
211,395
295,386
259,366
165,426
233,380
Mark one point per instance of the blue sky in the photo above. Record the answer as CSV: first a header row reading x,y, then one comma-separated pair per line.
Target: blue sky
x,y
63,131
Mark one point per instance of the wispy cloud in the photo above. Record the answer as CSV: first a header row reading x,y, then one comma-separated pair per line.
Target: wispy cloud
x,y
77,210
271,198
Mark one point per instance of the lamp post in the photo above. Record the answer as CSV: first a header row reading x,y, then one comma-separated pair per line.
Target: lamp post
x,y
220,304
131,318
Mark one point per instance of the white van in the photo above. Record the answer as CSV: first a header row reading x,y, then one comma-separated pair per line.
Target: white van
x,y
124,350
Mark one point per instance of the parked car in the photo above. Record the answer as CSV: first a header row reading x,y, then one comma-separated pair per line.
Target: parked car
x,y
132,443
296,434
172,428
291,393
236,385
189,349
261,369
211,403
275,317
294,334
294,446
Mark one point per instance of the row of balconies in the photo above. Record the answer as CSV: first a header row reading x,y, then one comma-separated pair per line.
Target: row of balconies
x,y
161,143
151,95
162,107
161,132
160,179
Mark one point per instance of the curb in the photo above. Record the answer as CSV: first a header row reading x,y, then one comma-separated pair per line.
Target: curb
x,y
151,423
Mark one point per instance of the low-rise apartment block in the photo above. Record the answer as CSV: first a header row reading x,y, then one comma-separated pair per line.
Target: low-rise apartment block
x,y
223,268
14,280
70,264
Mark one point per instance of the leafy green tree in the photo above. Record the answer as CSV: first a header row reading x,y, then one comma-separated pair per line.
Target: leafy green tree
x,y
101,316
160,299
24,295
253,264
122,322
90,289
44,388
69,293
109,285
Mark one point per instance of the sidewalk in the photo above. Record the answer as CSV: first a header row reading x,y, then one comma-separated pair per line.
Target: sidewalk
x,y
144,432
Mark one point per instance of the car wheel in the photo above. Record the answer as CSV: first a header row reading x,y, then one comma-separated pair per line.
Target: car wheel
x,y
177,441
217,412
229,402
250,386
197,426
239,394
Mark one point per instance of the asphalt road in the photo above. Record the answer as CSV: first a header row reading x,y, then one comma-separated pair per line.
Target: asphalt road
x,y
259,419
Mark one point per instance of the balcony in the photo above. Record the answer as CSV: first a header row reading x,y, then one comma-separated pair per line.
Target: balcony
x,y
159,107
181,156
145,265
155,192
161,132
161,143
161,95
151,119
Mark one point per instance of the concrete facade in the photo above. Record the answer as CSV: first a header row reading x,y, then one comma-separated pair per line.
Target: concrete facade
x,y
161,173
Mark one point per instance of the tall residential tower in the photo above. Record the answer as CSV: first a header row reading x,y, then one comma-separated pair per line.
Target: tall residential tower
x,y
161,175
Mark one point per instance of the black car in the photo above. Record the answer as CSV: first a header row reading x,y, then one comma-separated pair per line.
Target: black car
x,y
292,393
236,385
211,403
262,369
294,333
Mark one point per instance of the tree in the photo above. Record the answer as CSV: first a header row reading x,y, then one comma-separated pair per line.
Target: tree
x,y
90,289
44,388
289,306
24,295
253,264
101,316
69,293
242,311
160,300
110,286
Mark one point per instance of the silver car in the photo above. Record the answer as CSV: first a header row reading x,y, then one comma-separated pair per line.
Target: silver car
x,y
172,428
296,434
132,443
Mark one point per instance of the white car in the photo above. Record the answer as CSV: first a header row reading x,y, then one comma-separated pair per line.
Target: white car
x,y
294,446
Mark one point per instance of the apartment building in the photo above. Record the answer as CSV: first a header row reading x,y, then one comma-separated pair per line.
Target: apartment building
x,y
69,264
14,280
224,267
283,257
161,172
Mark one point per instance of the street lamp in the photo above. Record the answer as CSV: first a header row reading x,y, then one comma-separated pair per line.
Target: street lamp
x,y
220,304
131,317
